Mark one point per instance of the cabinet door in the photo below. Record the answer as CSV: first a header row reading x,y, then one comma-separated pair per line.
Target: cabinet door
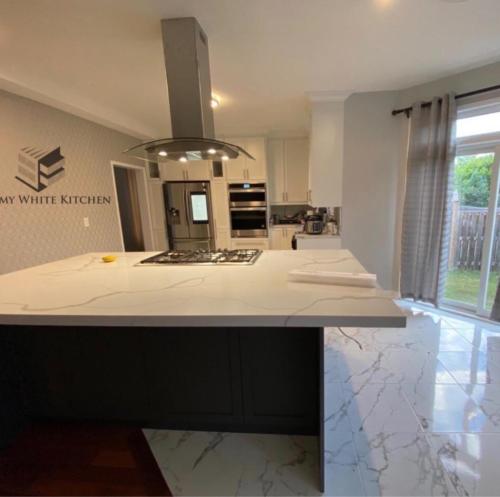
x,y
172,171
256,169
276,241
276,168
236,168
296,170
198,170
220,205
288,234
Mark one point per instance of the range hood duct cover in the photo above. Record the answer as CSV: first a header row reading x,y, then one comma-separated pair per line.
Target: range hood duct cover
x,y
190,93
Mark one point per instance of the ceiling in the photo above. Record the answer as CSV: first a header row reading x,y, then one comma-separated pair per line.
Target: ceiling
x,y
103,59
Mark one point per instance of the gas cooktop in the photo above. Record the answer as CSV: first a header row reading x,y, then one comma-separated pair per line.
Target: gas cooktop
x,y
207,257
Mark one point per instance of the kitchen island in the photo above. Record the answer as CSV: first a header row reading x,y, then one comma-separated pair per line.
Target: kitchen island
x,y
226,348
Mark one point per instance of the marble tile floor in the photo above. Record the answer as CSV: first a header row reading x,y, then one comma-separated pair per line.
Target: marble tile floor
x,y
413,411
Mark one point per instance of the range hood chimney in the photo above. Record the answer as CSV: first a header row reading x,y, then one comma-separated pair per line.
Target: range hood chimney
x,y
188,76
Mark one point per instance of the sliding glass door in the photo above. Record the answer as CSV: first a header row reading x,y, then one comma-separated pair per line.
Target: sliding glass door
x,y
474,258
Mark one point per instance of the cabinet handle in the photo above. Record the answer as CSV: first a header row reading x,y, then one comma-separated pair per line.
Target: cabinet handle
x,y
283,196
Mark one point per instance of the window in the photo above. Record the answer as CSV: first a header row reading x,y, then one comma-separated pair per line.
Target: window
x,y
478,125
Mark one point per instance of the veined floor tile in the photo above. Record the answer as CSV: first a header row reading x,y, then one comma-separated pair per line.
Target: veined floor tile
x,y
447,408
487,397
471,461
209,463
471,367
401,464
393,366
341,472
382,407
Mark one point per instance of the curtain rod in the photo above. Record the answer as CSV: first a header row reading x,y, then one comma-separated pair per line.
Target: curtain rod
x,y
407,110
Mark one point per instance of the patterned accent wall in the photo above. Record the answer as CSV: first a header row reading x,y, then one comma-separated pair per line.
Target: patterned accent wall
x,y
33,234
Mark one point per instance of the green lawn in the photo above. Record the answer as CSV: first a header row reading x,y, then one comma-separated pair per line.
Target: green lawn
x,y
463,285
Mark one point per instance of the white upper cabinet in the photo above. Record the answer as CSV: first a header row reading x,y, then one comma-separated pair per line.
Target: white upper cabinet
x,y
198,170
256,169
172,171
289,170
244,168
275,156
236,168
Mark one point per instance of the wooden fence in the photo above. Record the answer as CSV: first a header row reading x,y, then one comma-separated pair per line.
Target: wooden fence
x,y
467,238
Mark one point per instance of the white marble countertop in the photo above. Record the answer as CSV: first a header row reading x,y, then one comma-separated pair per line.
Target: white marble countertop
x,y
83,290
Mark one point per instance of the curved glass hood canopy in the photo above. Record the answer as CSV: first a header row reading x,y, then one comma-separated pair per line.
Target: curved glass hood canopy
x,y
185,48
186,149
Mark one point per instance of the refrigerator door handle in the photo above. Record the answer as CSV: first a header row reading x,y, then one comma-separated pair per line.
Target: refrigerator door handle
x,y
186,202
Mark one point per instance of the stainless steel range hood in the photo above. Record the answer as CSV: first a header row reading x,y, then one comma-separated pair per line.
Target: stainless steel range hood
x,y
190,93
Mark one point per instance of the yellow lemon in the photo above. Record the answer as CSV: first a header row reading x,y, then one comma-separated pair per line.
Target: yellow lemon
x,y
109,258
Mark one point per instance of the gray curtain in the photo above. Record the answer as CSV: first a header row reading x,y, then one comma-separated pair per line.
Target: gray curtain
x,y
427,207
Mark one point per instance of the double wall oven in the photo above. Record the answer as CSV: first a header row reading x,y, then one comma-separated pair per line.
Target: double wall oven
x,y
248,210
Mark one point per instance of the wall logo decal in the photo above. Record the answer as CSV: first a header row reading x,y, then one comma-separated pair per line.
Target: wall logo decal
x,y
39,168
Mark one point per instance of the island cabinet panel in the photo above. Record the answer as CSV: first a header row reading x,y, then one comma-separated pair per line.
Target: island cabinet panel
x,y
86,373
225,379
280,378
193,376
12,409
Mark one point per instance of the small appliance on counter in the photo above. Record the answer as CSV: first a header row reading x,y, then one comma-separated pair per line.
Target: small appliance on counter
x,y
313,224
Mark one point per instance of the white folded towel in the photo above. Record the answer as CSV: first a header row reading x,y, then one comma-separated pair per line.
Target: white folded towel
x,y
333,278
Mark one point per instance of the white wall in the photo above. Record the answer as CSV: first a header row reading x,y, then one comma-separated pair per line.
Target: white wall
x,y
372,167
34,234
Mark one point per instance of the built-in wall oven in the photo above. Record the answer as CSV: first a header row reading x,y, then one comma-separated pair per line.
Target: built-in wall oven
x,y
248,210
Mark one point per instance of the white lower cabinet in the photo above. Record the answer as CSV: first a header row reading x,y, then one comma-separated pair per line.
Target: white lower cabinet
x,y
250,243
281,237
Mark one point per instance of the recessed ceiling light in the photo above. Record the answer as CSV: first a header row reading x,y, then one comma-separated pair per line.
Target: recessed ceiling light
x,y
211,151
183,159
214,103
163,153
225,157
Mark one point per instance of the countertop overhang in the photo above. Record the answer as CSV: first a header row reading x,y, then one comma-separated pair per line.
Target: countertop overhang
x,y
84,291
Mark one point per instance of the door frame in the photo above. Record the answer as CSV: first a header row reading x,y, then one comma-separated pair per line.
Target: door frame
x,y
483,147
144,203
488,235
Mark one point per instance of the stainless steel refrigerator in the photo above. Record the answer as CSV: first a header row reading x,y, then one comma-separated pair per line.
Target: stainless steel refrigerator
x,y
188,208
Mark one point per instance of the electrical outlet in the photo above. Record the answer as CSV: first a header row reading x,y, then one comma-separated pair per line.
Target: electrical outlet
x,y
86,222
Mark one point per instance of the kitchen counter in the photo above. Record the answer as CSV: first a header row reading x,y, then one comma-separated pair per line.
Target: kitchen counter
x,y
84,291
212,348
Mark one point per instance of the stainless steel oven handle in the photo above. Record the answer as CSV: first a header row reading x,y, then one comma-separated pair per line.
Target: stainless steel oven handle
x,y
247,190
236,209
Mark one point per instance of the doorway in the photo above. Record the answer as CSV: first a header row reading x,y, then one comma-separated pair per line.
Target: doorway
x,y
133,207
474,256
